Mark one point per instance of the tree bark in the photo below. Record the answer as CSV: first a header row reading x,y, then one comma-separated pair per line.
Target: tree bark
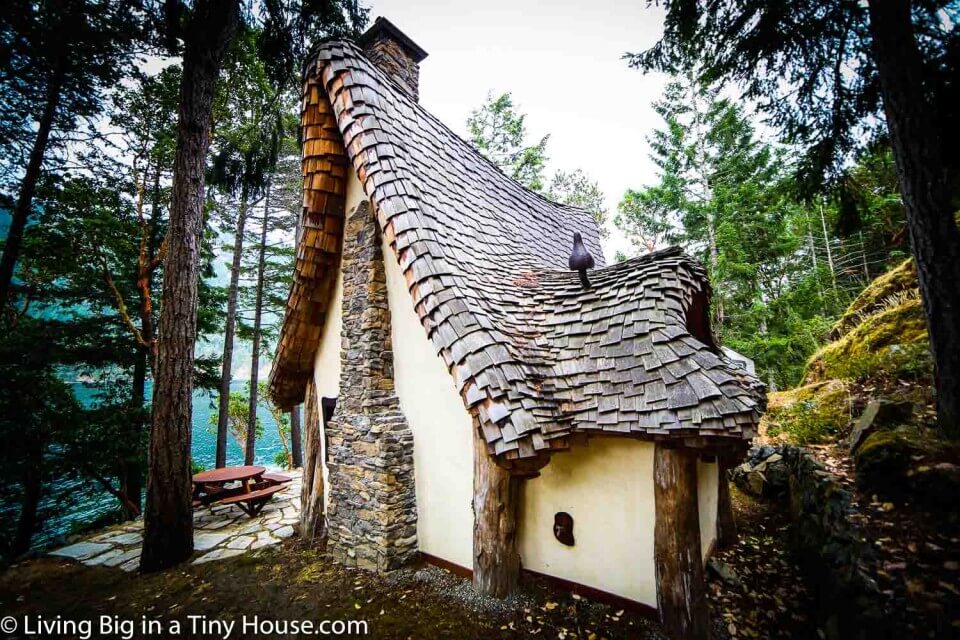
x,y
257,316
496,562
726,523
21,212
917,150
681,592
226,372
168,522
311,492
295,446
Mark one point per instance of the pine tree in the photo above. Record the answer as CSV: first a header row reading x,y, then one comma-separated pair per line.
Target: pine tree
x,y
828,73
60,60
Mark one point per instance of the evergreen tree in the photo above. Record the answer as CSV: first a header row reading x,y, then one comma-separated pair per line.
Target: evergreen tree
x,y
499,132
576,189
829,72
247,142
59,59
270,264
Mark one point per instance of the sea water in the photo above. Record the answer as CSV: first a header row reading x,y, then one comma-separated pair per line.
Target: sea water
x,y
87,501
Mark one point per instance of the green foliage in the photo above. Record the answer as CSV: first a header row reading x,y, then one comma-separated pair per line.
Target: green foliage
x,y
812,414
238,418
282,420
644,217
726,197
499,132
577,190
281,460
809,67
89,45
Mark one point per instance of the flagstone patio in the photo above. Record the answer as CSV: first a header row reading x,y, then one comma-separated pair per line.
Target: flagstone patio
x,y
219,532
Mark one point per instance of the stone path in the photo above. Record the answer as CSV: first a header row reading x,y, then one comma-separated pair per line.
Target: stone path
x,y
218,532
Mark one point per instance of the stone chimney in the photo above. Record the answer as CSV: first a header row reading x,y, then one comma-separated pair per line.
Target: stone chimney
x,y
395,54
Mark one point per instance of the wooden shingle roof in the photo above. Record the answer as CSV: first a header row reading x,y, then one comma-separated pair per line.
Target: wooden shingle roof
x,y
536,357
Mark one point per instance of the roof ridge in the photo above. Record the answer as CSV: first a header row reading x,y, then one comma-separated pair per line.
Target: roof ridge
x,y
582,212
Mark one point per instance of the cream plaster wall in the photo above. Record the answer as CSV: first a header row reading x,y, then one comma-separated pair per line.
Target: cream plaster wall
x,y
708,476
607,486
442,430
326,364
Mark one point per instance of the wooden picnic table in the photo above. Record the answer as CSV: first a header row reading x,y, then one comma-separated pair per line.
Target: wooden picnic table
x,y
230,474
209,485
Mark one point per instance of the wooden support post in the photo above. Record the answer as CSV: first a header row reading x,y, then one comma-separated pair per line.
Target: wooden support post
x,y
681,592
496,562
726,524
311,493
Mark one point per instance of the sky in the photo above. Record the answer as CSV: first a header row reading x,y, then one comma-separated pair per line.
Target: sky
x,y
562,61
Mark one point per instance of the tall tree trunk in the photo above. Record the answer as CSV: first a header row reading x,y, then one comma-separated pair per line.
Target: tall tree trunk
x,y
226,373
32,491
681,591
917,149
295,446
826,242
131,481
168,530
257,316
496,561
21,212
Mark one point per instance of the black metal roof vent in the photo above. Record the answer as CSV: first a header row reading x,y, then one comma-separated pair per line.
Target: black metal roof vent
x,y
581,260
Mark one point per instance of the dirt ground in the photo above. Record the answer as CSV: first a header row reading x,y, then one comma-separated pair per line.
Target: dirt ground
x,y
289,583
766,595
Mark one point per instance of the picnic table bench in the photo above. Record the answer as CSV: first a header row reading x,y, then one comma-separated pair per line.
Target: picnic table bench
x,y
254,501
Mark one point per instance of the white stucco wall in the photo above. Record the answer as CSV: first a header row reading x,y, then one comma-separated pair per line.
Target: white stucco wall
x,y
326,364
607,486
708,476
442,430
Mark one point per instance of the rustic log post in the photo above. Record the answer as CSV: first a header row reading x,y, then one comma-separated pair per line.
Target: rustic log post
x,y
311,492
496,562
726,523
681,593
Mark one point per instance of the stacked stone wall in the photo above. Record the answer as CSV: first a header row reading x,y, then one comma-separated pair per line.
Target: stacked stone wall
x,y
372,510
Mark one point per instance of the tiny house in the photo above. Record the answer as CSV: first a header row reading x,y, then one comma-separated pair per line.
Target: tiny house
x,y
471,400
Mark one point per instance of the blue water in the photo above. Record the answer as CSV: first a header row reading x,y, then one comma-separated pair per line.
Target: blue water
x,y
90,502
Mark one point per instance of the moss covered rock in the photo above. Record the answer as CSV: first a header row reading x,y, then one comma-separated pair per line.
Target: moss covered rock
x,y
891,342
902,278
936,485
883,460
811,414
910,463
